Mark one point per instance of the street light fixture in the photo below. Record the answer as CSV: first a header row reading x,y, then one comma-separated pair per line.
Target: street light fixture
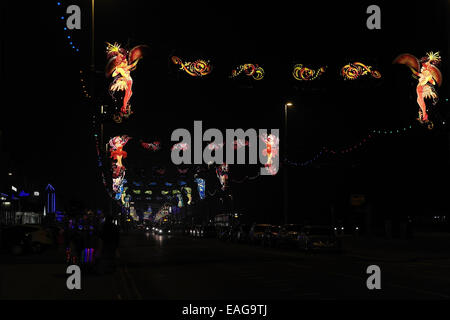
x,y
285,175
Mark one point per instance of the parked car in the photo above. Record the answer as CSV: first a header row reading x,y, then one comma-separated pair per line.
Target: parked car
x,y
187,230
165,229
206,232
318,237
140,226
257,231
196,230
162,229
178,228
241,233
287,236
193,231
54,232
223,233
348,228
19,239
270,236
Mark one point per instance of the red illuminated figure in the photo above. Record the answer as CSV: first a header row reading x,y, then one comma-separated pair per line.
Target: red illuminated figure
x,y
428,76
222,174
117,153
120,64
271,151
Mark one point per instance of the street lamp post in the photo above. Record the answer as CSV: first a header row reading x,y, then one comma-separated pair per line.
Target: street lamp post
x,y
285,174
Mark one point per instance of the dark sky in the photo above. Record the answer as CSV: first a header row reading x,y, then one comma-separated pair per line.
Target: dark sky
x,y
48,124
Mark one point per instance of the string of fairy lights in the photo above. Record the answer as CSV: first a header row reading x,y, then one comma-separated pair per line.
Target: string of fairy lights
x,y
84,85
350,147
99,157
68,34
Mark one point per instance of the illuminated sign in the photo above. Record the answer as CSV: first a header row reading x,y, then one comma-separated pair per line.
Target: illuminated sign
x,y
23,194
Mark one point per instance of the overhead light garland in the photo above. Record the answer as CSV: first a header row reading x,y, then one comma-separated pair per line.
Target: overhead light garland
x,y
182,172
250,70
161,171
198,68
355,70
180,146
247,178
152,146
303,73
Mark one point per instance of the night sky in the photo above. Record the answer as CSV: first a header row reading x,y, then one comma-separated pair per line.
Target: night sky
x,y
48,124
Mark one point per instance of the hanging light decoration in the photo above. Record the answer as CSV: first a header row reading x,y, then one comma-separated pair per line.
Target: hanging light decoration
x,y
355,70
428,75
250,70
303,73
198,68
120,64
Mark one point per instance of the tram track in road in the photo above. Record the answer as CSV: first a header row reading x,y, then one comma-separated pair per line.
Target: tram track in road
x,y
125,285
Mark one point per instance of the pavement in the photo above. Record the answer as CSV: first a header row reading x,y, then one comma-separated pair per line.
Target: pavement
x,y
423,246
153,267
43,276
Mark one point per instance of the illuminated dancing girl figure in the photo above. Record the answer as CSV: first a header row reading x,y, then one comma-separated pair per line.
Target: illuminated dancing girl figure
x,y
428,75
271,151
117,153
222,174
120,64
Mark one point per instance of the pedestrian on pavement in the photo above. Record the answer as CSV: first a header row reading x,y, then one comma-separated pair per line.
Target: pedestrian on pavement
x,y
109,236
